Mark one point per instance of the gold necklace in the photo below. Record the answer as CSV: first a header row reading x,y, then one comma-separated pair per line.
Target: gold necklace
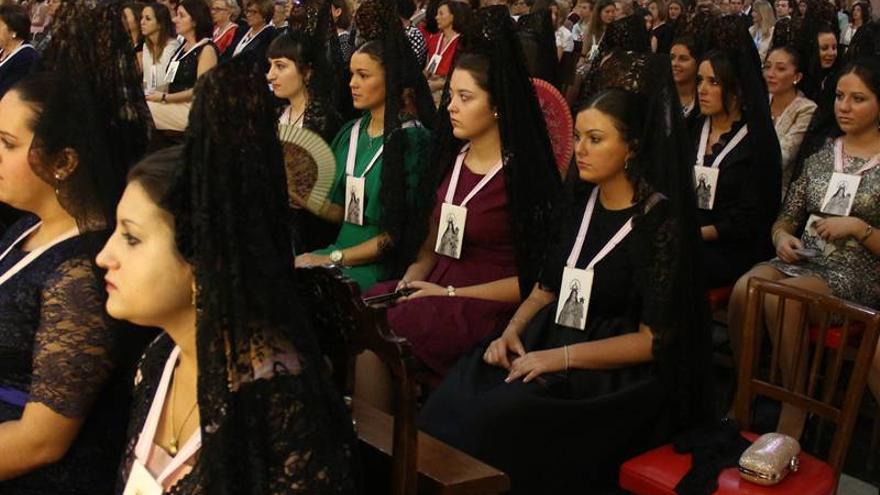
x,y
175,436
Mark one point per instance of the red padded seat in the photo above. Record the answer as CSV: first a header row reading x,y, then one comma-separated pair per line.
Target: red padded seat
x,y
718,297
658,471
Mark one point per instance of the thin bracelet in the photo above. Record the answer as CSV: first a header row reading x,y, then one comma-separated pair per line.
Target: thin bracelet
x,y
565,348
868,231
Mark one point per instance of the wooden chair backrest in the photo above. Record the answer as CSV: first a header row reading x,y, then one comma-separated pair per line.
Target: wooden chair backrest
x,y
345,327
814,389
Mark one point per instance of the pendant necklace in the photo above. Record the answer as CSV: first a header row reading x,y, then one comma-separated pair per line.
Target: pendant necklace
x,y
175,433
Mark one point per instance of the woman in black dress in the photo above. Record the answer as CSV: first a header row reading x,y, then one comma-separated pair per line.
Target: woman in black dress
x,y
558,408
233,398
735,142
63,383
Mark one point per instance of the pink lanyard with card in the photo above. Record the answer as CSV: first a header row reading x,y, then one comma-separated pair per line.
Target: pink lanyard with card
x,y
582,234
838,159
456,172
148,433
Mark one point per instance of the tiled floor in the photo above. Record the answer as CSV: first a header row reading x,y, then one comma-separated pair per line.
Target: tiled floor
x,y
853,486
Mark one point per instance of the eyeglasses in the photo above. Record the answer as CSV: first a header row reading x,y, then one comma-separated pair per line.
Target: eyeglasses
x,y
252,11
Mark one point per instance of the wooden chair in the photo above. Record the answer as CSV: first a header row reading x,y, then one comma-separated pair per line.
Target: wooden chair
x,y
345,327
814,389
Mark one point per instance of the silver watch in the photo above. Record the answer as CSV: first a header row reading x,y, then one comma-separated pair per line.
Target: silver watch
x,y
336,257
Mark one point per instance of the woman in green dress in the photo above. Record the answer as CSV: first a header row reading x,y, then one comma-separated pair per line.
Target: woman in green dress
x,y
379,158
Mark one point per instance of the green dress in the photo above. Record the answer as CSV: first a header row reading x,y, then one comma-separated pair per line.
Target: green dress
x,y
350,234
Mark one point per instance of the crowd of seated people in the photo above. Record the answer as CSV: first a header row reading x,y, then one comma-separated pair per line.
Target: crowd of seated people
x,y
152,335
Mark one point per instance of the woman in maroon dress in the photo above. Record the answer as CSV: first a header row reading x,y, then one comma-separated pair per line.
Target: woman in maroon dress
x,y
494,180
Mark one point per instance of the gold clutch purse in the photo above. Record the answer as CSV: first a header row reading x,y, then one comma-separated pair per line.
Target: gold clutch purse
x,y
769,460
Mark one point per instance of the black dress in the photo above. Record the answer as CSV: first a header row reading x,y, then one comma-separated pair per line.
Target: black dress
x,y
739,213
58,346
305,454
570,433
16,67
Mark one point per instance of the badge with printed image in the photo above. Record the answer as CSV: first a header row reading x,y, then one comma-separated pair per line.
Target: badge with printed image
x,y
812,241
840,194
433,64
171,73
450,232
574,298
706,184
354,200
141,482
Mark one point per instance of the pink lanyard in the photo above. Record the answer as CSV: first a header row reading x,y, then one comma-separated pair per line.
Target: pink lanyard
x,y
148,433
838,159
456,172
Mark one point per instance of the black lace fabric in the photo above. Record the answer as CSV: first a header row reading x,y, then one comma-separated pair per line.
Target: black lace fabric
x,y
271,422
58,345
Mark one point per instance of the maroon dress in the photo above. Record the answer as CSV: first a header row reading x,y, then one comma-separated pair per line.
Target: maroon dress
x,y
443,328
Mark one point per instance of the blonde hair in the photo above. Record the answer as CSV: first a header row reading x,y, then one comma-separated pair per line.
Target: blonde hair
x,y
768,16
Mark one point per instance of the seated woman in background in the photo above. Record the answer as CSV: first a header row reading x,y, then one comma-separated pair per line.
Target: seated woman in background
x,y
737,164
761,30
495,166
452,21
380,157
838,253
609,354
17,56
191,60
131,19
63,362
224,13
790,110
258,14
685,59
232,397
293,65
159,46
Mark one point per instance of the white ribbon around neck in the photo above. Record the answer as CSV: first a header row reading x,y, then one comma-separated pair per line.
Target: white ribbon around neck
x,y
352,147
582,235
33,255
177,55
838,159
11,55
704,141
247,39
456,172
148,433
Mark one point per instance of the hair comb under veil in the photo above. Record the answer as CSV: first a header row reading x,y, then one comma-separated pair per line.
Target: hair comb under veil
x,y
627,35
405,90
530,167
255,348
663,164
92,45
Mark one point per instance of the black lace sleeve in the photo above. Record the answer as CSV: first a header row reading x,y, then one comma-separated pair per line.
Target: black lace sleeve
x,y
74,345
659,260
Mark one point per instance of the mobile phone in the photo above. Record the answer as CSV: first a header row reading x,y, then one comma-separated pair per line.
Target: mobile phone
x,y
389,297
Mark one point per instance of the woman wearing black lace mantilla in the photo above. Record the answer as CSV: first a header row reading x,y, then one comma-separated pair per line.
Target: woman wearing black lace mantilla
x,y
558,404
64,364
233,398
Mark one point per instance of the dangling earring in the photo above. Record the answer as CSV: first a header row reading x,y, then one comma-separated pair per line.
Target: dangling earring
x,y
58,183
495,114
195,292
626,165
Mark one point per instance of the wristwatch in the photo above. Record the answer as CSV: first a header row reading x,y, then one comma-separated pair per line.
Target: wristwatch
x,y
450,290
336,257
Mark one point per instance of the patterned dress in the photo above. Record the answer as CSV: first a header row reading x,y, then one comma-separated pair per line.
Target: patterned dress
x,y
850,270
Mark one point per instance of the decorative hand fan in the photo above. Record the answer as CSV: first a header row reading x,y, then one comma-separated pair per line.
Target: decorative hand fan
x,y
310,165
560,125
